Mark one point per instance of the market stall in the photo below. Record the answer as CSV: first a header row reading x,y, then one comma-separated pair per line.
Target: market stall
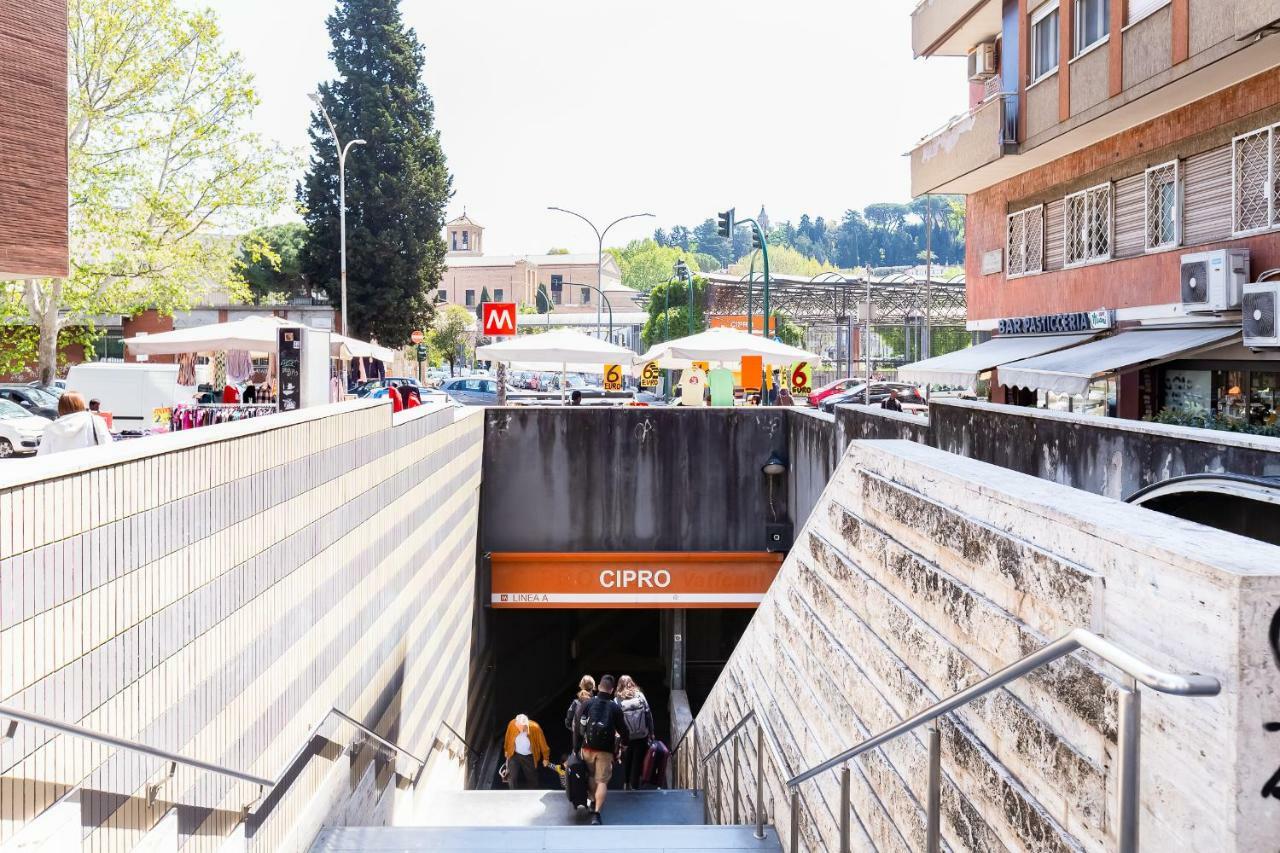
x,y
560,347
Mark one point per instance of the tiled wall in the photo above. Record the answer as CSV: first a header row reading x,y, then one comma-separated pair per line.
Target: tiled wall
x,y
920,572
214,593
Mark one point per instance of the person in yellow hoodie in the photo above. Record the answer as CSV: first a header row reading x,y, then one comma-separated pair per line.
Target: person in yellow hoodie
x,y
526,749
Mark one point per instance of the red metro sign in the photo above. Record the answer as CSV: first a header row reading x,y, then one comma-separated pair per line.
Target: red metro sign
x,y
499,319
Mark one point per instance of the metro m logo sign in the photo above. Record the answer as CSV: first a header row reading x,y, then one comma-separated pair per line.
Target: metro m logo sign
x,y
499,319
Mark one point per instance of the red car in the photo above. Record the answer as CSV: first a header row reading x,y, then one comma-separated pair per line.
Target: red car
x,y
831,388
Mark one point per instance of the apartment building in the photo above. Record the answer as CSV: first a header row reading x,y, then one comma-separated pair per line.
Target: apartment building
x,y
1121,162
568,279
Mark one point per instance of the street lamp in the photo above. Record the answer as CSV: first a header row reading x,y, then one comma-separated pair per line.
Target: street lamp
x,y
600,235
342,199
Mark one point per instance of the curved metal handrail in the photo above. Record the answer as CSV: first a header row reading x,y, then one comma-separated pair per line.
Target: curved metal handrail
x,y
266,785
1142,672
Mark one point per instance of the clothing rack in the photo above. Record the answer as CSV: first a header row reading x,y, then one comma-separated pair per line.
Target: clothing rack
x,y
192,415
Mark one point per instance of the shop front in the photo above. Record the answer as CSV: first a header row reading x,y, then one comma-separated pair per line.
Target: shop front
x,y
1234,384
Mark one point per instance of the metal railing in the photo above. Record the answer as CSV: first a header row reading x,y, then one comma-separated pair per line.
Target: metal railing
x,y
1130,725
265,786
730,736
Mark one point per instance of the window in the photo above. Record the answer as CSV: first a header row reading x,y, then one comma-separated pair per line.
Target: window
x,y
1044,41
1087,226
557,289
1139,9
109,347
453,237
466,240
586,296
1025,241
1255,179
497,294
1092,23
1164,217
471,298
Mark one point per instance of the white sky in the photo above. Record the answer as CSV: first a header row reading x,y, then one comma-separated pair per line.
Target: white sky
x,y
675,108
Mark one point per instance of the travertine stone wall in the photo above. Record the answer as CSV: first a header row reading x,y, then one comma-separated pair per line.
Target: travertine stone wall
x,y
918,573
215,593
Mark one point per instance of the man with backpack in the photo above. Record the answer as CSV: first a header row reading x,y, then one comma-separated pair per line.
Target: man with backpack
x,y
600,722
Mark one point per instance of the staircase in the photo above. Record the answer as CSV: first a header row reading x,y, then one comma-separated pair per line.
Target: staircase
x,y
458,821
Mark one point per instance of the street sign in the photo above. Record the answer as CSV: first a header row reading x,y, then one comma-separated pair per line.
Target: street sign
x,y
499,319
801,381
613,377
415,336
650,376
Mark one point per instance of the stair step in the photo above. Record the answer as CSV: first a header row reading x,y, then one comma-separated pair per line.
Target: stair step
x,y
550,808
633,839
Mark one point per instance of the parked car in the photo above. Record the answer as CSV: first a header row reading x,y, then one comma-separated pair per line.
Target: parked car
x,y
36,401
817,395
56,389
477,391
20,431
364,389
425,394
908,395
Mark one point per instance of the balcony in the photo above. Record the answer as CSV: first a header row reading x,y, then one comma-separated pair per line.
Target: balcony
x,y
951,27
967,143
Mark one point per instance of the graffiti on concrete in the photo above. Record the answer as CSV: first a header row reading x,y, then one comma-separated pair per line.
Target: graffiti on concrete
x,y
1272,788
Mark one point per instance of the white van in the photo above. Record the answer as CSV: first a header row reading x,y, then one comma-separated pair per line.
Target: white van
x,y
130,392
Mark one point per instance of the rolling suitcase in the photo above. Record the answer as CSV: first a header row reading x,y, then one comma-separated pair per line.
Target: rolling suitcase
x,y
654,770
575,781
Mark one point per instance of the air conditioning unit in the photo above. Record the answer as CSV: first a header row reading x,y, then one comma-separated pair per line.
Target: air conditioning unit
x,y
1258,314
982,62
1213,281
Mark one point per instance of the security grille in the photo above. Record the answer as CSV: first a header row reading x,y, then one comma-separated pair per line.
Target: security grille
x,y
1088,225
1163,210
1253,168
1025,241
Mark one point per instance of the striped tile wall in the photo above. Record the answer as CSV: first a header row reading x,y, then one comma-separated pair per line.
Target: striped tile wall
x,y
215,593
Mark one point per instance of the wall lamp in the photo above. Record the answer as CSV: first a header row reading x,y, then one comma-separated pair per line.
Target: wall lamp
x,y
776,466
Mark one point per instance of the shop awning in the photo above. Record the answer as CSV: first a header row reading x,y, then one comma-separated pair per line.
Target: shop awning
x,y
1071,371
963,367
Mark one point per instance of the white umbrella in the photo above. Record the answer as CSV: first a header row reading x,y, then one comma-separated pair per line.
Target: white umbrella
x,y
559,347
723,345
252,334
361,349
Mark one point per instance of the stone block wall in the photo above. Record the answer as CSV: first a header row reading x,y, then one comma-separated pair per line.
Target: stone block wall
x,y
215,593
919,573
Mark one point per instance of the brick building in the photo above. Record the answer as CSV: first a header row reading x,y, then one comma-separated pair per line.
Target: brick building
x,y
1121,160
567,279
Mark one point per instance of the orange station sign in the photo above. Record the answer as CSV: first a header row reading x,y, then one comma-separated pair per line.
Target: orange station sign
x,y
648,579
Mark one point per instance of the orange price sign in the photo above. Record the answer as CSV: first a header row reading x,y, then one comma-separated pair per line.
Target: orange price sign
x,y
650,375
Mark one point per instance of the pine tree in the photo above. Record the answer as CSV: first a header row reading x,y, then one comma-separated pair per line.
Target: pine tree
x,y
397,184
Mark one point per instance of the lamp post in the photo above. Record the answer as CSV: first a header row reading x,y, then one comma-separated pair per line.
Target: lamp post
x,y
342,200
607,305
600,235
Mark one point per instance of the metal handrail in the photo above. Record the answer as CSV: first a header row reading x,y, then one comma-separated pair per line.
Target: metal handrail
x,y
469,747
265,785
1139,672
746,718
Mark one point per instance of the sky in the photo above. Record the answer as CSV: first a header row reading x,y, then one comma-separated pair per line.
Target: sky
x,y
679,109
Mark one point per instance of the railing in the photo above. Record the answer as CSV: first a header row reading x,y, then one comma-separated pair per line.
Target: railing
x,y
472,756
712,753
1130,726
265,786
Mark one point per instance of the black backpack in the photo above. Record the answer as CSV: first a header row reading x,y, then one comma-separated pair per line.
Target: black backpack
x,y
596,723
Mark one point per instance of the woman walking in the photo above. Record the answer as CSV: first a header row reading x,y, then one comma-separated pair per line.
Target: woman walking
x,y
639,717
76,427
586,689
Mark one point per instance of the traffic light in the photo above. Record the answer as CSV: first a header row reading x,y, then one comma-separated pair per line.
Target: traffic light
x,y
757,238
724,223
422,352
682,270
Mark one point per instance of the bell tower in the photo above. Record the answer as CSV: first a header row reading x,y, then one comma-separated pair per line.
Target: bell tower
x,y
463,236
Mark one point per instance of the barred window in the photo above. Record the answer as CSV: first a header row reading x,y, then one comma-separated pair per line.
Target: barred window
x,y
1255,170
1087,225
1025,241
1164,207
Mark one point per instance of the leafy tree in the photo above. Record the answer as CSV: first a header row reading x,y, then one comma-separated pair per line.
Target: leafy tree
x,y
397,185
942,340
669,311
783,260
681,237
270,262
160,162
660,237
557,250
645,264
708,241
450,334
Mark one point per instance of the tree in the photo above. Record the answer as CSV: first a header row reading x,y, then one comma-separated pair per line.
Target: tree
x,y
556,250
669,312
450,334
645,264
160,163
397,184
783,260
270,262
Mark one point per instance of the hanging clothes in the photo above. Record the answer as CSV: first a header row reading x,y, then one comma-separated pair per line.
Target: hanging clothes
x,y
239,366
219,369
187,368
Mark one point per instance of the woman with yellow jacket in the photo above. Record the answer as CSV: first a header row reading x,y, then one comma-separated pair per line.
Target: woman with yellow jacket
x,y
525,748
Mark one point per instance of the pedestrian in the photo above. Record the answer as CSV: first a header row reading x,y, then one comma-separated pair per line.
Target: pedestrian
x,y
575,399
95,405
76,427
601,723
891,402
526,750
784,397
410,395
773,386
639,717
586,689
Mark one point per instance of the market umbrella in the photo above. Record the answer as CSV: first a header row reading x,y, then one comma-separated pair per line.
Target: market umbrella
x,y
723,345
356,348
252,334
559,347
